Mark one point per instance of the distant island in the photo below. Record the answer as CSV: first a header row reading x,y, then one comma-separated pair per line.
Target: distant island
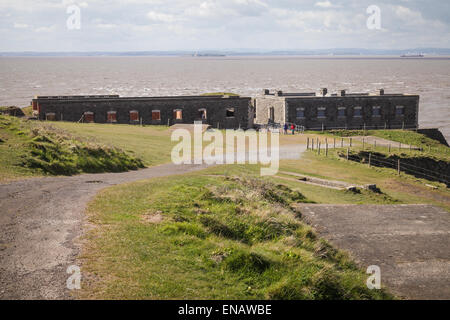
x,y
336,52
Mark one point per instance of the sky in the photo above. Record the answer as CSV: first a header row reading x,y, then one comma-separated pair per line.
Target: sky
x,y
160,25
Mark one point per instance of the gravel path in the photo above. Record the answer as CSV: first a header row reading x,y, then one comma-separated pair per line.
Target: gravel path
x,y
39,221
410,243
41,217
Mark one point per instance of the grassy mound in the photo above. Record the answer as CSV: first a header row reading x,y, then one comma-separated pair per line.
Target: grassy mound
x,y
54,151
211,237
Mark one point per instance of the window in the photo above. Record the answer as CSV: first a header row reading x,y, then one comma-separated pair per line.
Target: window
x,y
111,116
50,116
134,115
88,116
376,111
300,113
230,113
271,113
177,114
156,115
321,113
202,113
357,112
399,110
342,112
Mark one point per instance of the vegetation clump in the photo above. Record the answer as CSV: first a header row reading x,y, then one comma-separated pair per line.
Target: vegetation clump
x,y
54,151
224,237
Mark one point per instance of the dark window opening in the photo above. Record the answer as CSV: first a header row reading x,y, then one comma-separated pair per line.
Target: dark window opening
x,y
202,114
230,113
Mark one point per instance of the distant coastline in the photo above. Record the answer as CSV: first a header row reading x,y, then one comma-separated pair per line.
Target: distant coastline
x,y
322,53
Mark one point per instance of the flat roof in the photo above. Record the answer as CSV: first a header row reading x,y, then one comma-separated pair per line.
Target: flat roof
x,y
117,97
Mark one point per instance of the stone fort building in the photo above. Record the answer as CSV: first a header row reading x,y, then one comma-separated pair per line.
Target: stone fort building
x,y
219,111
338,111
309,110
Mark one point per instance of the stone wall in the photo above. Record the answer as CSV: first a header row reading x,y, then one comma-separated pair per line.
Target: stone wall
x,y
331,104
263,105
68,109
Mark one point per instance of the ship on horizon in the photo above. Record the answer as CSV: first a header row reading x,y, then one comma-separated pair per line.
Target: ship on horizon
x,y
412,56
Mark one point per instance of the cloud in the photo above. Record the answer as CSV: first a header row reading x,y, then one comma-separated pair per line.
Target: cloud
x,y
222,24
158,17
20,26
324,4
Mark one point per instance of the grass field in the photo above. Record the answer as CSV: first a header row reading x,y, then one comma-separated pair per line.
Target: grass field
x,y
150,143
30,148
216,234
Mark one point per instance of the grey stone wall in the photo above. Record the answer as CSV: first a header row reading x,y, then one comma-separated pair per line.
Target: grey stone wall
x,y
263,105
331,104
216,106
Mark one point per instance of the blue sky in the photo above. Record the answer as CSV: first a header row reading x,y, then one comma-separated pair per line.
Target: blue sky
x,y
129,25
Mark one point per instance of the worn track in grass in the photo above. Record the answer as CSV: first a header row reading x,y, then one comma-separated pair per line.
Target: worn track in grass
x,y
40,219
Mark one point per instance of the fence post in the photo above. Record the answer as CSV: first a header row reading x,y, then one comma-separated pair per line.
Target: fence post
x,y
326,150
375,145
398,166
370,158
350,142
342,142
318,149
364,143
389,148
348,151
307,143
399,146
403,125
334,143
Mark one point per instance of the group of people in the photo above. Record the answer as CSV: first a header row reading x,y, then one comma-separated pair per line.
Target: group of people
x,y
286,127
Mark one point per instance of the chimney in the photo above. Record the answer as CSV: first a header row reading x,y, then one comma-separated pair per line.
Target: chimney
x,y
342,93
265,92
381,92
279,93
323,91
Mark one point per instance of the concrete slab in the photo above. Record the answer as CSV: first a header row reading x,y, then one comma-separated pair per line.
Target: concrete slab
x,y
410,243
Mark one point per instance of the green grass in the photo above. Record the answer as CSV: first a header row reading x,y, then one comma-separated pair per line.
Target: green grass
x,y
28,111
215,234
34,148
150,143
402,188
430,147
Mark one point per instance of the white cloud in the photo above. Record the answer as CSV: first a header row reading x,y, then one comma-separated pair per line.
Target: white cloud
x,y
159,17
20,26
324,4
45,29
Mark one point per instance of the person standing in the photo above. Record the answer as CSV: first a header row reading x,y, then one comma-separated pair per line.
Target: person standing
x,y
293,128
285,127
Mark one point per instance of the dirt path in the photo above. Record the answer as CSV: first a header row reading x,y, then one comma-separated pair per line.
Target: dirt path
x,y
41,217
410,243
39,220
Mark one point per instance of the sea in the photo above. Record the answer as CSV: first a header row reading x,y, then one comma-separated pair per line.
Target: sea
x,y
22,78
